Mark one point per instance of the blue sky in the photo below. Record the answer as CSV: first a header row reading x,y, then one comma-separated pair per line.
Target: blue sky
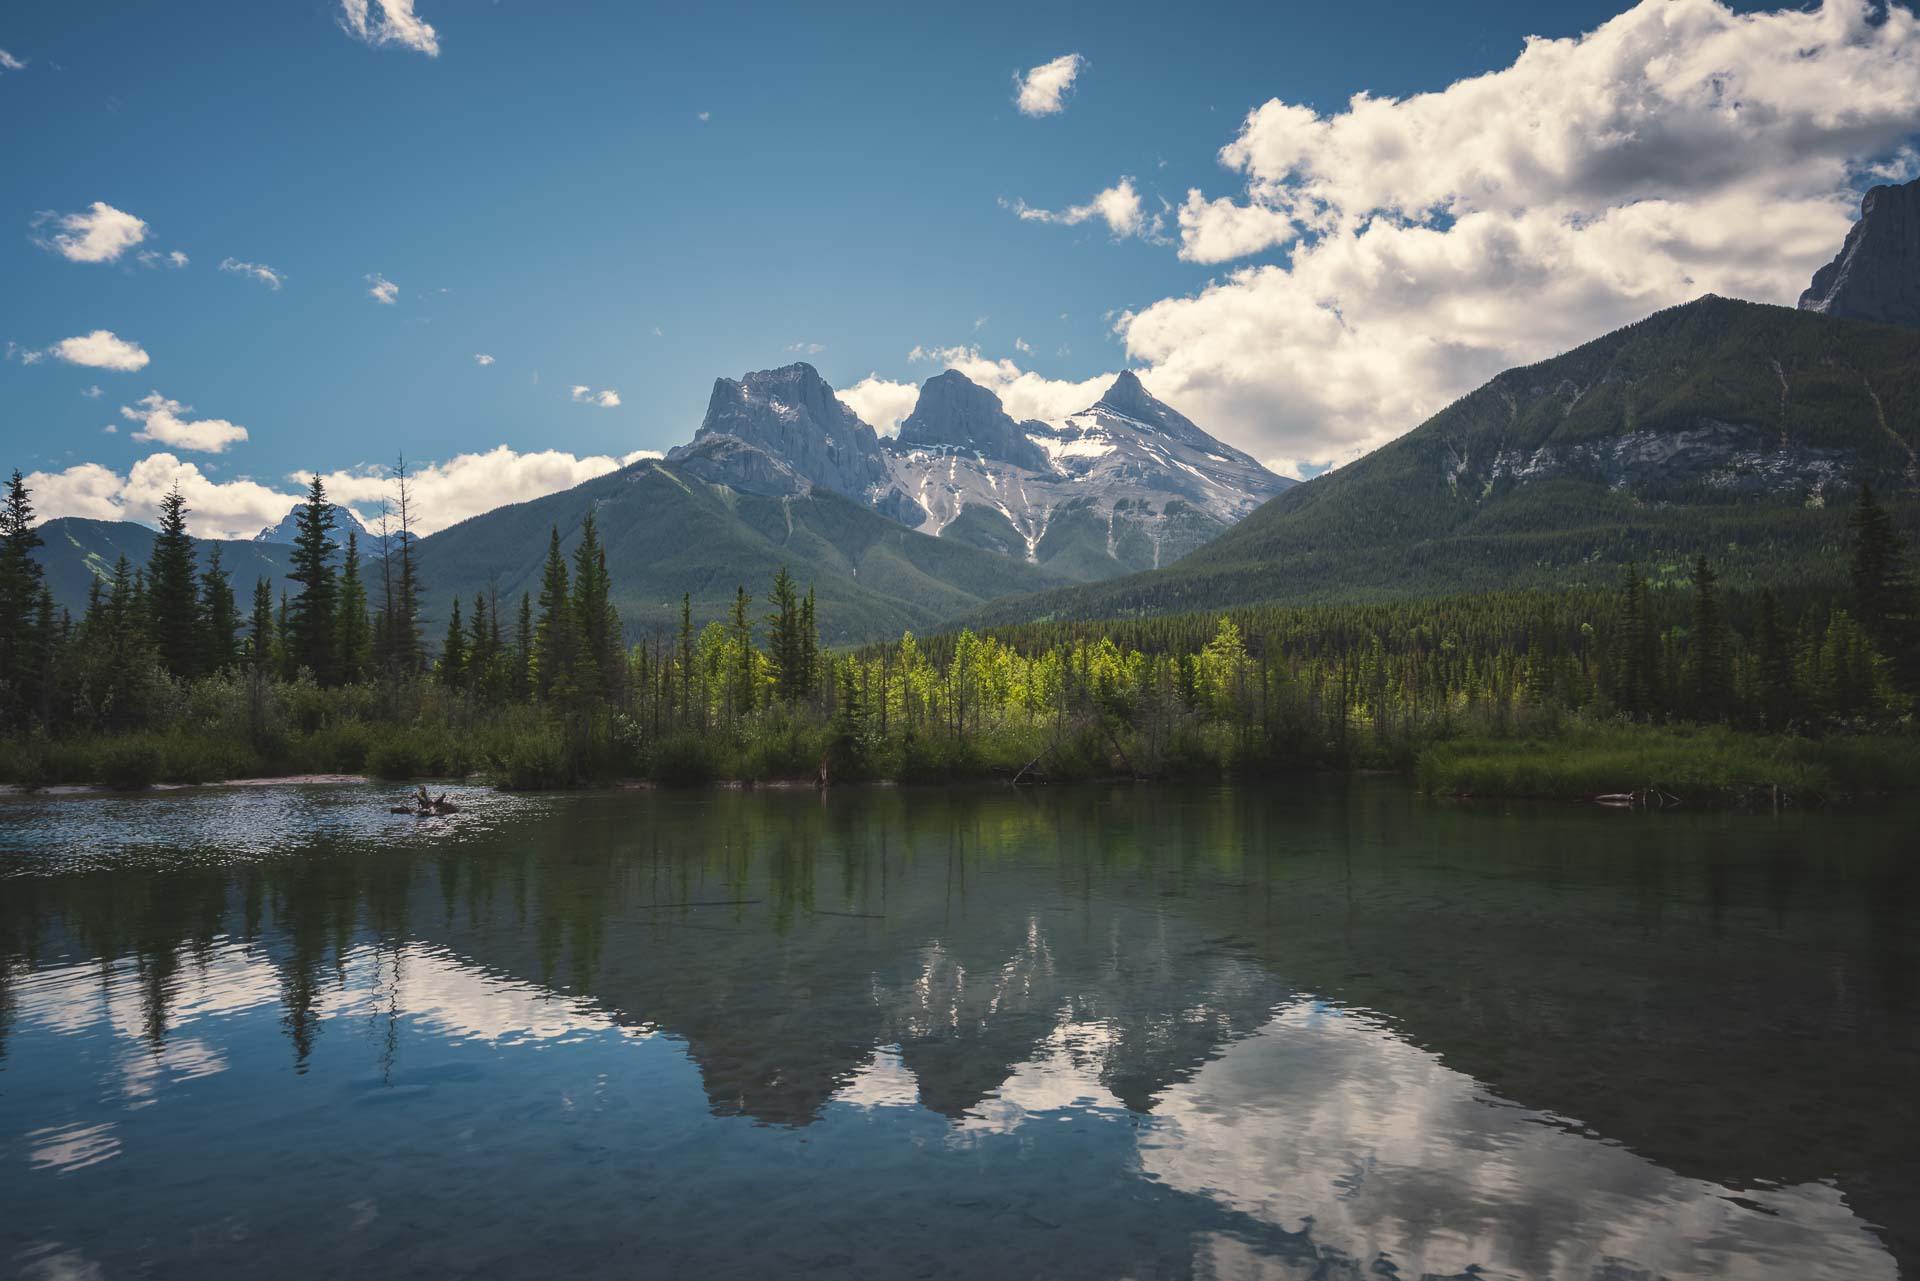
x,y
543,189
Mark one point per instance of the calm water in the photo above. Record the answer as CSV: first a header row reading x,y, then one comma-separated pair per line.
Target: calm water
x,y
1303,1031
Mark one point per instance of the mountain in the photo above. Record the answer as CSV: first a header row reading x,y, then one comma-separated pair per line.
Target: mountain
x,y
1877,273
668,531
1125,484
1730,428
289,527
76,550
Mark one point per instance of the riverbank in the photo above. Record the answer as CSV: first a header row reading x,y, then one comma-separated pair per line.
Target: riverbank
x,y
1635,764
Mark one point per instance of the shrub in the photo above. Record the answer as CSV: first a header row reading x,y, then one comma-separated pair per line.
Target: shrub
x,y
129,762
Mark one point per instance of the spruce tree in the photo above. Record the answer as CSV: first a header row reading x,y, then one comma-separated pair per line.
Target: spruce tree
x,y
556,643
686,654
784,645
742,630
260,632
173,601
453,651
312,629
354,639
219,620
1709,659
1884,604
523,651
594,616
21,642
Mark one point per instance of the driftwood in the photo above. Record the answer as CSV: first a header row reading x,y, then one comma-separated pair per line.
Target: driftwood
x,y
425,806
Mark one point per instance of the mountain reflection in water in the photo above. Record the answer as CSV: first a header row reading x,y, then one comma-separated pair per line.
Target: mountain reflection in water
x,y
1300,1031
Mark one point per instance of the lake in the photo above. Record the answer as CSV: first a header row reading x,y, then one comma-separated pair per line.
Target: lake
x,y
1312,1029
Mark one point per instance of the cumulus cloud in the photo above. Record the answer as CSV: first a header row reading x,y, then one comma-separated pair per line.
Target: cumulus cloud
x,y
259,271
101,234
216,509
382,290
394,23
1678,149
446,493
442,493
482,358
92,393
880,403
884,404
10,63
154,258
1119,206
163,421
1043,90
584,395
101,349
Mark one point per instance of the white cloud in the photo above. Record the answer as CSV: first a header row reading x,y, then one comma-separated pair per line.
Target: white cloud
x,y
1043,90
259,271
583,395
1023,346
806,348
177,259
101,349
162,421
880,403
153,258
92,393
101,234
482,358
446,493
10,63
1118,206
443,493
216,509
705,116
885,404
1678,149
383,290
395,23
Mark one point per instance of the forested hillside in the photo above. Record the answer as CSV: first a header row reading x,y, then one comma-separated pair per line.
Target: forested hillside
x,y
1720,427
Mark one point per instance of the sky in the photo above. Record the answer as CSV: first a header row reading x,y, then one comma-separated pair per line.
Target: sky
x,y
244,242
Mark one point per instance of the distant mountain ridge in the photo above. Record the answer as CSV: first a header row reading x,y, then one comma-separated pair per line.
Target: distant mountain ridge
x,y
1876,275
289,527
1728,428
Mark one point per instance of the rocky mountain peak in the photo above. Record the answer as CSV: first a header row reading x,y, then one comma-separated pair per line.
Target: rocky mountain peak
x,y
289,527
1876,276
792,414
954,412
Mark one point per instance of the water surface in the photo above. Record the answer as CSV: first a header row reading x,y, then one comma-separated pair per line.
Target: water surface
x,y
1300,1031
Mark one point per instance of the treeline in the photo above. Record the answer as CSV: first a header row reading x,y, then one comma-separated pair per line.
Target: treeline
x,y
163,670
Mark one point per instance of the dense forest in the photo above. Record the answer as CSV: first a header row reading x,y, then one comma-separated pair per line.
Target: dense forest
x,y
165,677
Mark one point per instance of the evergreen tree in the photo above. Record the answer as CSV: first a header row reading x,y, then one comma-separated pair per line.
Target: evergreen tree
x,y
1638,649
742,630
173,601
686,654
522,684
453,651
556,643
219,619
1773,678
784,644
312,630
354,642
1883,593
22,644
1709,660
260,632
594,616
399,627
809,647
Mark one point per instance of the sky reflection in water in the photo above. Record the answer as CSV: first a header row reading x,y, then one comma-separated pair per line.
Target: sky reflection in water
x,y
1084,1034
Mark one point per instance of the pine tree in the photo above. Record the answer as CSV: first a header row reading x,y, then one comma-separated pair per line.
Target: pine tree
x,y
21,642
1709,665
354,639
686,654
260,632
1884,604
1638,649
784,644
809,647
523,651
481,656
312,628
218,624
453,651
173,601
399,629
556,644
1774,668
742,630
594,617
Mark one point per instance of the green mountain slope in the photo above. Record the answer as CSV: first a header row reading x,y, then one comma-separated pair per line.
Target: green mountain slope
x,y
667,533
76,550
1720,427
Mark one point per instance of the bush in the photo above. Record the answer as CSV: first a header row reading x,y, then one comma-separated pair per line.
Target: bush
x,y
129,762
396,757
533,762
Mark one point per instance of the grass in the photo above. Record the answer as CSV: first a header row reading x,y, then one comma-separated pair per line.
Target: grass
x,y
1704,765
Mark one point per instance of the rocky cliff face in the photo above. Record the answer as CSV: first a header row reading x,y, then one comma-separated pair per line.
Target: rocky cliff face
x,y
793,415
1877,275
954,412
